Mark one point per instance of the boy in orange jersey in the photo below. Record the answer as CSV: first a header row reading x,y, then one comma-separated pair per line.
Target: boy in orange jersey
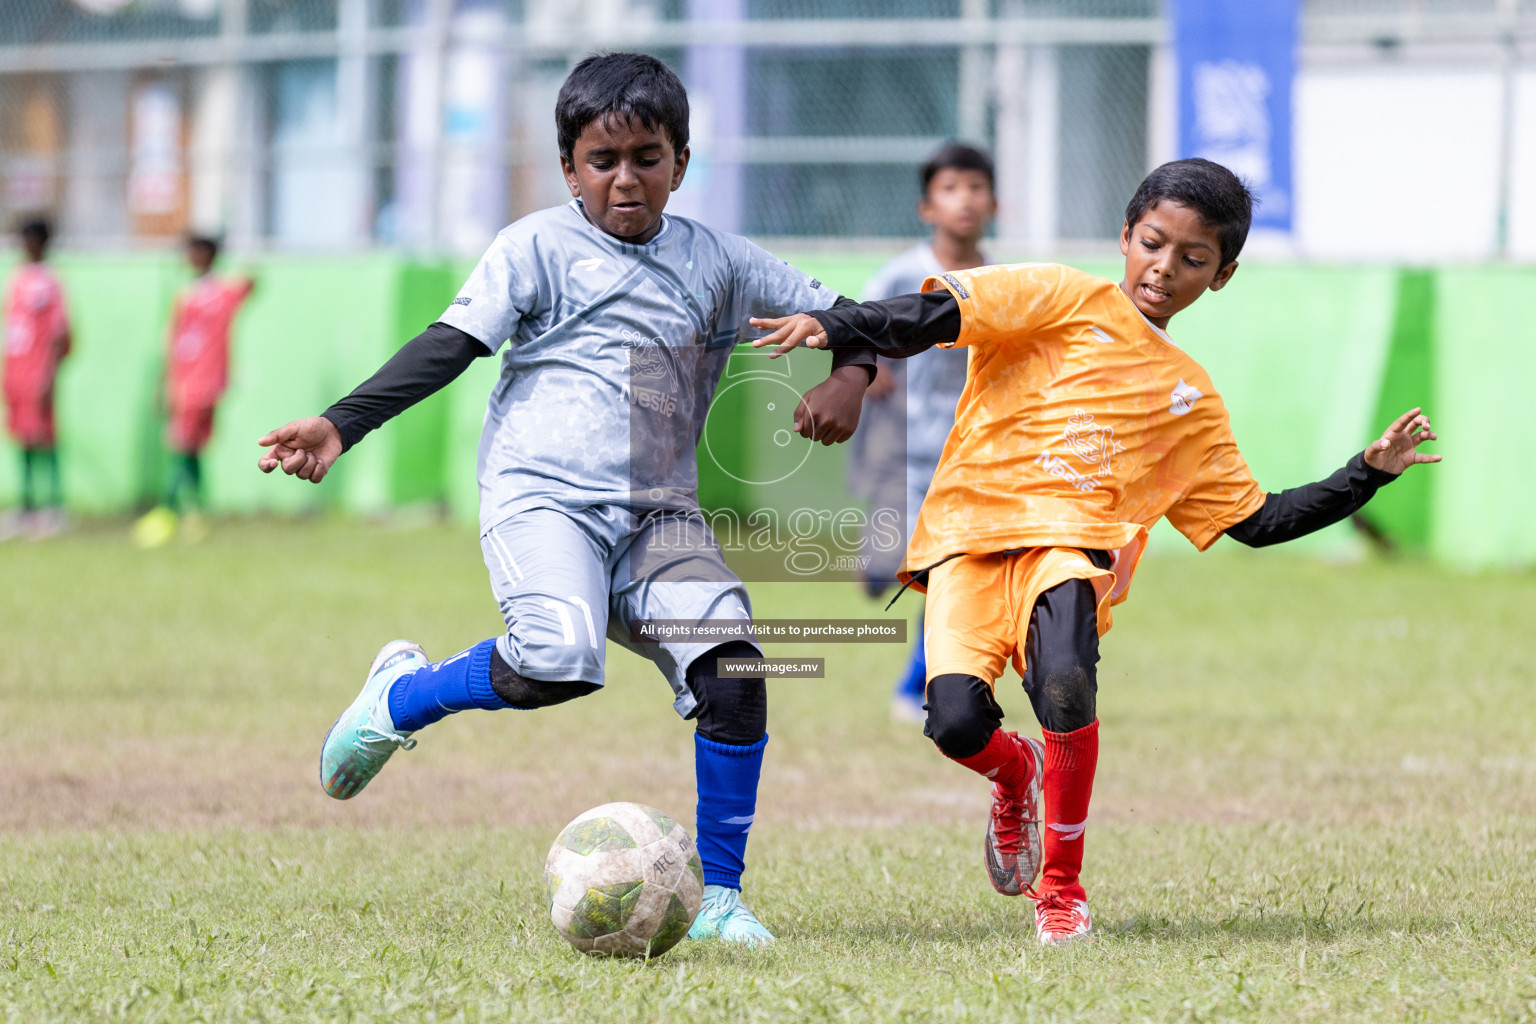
x,y
1080,426
36,341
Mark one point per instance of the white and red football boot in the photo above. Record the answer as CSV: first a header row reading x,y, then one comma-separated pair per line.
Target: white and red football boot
x,y
1061,917
1012,847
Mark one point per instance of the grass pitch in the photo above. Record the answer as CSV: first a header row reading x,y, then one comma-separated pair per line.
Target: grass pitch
x,y
1316,801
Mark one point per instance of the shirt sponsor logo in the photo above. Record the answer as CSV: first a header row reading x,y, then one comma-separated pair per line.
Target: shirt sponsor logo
x,y
1091,444
954,283
653,384
650,398
1184,398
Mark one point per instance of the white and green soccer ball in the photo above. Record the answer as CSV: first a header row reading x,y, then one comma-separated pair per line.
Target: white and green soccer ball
x,y
623,880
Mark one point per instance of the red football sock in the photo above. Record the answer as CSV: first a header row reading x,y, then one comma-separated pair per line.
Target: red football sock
x,y
1000,761
1070,758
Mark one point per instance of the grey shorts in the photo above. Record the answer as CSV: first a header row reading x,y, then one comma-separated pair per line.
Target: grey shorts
x,y
565,579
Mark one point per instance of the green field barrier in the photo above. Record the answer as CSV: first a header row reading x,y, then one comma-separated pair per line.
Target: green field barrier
x,y
1483,512
1311,360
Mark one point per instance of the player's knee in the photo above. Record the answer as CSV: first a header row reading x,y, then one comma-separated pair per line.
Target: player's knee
x,y
1065,687
528,694
1068,697
731,710
962,714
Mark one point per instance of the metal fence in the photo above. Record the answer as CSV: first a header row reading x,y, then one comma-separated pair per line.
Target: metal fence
x,y
427,124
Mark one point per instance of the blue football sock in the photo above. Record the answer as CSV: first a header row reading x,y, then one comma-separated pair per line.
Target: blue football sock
x,y
915,682
437,691
727,780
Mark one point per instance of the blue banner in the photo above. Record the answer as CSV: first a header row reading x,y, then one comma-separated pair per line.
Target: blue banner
x,y
1237,59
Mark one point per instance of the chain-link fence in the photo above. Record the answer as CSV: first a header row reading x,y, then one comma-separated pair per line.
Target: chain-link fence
x,y
427,124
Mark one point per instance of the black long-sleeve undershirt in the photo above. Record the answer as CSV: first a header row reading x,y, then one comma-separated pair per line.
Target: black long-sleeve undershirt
x,y
897,328
420,368
903,326
436,356
1299,511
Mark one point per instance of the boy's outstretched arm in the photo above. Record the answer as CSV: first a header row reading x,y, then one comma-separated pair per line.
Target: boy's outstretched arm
x,y
307,448
898,327
1287,515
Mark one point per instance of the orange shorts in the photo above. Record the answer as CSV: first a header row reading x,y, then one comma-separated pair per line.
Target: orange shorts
x,y
979,606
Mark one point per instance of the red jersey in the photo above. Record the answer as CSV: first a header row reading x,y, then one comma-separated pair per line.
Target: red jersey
x,y
36,331
197,365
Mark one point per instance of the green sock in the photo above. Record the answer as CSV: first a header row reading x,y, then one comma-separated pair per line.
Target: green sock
x,y
28,499
50,459
193,469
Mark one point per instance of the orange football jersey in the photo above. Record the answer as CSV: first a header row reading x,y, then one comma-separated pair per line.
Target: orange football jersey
x,y
1081,424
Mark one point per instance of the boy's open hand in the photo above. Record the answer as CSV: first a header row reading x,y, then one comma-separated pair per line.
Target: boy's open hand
x,y
305,448
1396,450
789,332
829,412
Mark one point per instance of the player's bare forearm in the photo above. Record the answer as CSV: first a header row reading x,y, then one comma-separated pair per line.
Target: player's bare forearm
x,y
306,448
829,412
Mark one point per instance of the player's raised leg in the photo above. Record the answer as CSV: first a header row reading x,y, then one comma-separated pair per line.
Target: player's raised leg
x,y
549,577
965,722
969,634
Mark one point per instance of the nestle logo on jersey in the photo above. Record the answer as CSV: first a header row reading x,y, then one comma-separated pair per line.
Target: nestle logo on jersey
x,y
650,398
462,300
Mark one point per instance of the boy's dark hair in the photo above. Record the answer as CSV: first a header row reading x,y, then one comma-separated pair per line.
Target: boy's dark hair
x,y
207,243
38,228
960,157
625,85
1215,193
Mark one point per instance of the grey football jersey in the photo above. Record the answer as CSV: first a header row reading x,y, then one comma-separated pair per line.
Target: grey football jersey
x,y
616,350
935,378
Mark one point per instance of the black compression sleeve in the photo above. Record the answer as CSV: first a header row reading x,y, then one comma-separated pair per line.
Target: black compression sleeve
x,y
1299,511
897,328
423,365
852,356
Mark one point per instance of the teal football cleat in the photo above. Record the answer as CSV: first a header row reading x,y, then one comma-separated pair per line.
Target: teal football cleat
x,y
725,918
364,736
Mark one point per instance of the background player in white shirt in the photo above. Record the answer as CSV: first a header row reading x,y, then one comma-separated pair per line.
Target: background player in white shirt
x,y
910,408
621,320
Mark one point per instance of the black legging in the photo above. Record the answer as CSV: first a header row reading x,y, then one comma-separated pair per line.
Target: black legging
x,y
1061,657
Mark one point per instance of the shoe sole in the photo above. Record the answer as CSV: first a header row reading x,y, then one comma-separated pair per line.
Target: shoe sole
x,y
342,786
1014,883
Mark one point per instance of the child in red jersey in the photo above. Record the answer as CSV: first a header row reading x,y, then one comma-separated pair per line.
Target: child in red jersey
x,y
36,341
196,373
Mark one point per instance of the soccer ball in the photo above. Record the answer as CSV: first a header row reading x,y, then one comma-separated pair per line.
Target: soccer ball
x,y
623,880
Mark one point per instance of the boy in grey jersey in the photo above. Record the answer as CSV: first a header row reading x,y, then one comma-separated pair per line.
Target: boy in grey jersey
x,y
621,321
910,407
